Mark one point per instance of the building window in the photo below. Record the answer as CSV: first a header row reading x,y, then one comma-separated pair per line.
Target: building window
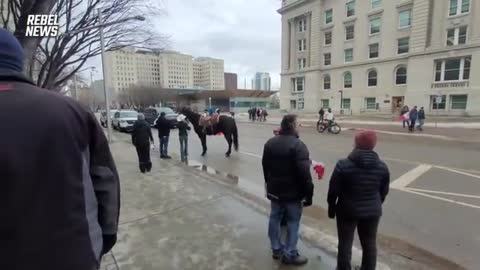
x,y
347,80
372,78
376,3
370,103
302,25
435,105
403,45
328,38
327,59
327,83
328,16
373,50
348,55
346,104
375,25
302,45
350,8
401,76
459,7
457,69
298,84
457,36
325,103
458,102
349,32
405,18
302,63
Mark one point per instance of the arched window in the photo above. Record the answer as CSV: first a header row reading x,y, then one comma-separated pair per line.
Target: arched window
x,y
347,80
326,82
401,76
372,78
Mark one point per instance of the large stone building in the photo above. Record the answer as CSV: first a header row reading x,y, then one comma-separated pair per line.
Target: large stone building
x,y
376,55
130,67
231,81
262,81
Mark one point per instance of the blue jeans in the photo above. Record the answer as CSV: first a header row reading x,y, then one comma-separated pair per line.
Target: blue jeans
x,y
184,147
164,146
293,214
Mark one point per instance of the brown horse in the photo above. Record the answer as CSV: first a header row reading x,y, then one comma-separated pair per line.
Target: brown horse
x,y
226,125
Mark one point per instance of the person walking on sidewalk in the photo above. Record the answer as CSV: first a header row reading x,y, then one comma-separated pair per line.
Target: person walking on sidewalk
x,y
142,138
405,110
421,118
183,129
321,113
413,118
60,194
289,187
163,126
358,188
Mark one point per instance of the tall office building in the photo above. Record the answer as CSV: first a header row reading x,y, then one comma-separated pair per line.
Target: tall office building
x,y
262,81
377,55
209,73
231,81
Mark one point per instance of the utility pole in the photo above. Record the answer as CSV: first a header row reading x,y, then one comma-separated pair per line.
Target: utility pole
x,y
107,96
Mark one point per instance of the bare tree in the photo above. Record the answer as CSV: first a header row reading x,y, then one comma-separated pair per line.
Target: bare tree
x,y
48,59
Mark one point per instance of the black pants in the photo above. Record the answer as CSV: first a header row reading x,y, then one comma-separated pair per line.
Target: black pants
x,y
143,152
367,232
412,125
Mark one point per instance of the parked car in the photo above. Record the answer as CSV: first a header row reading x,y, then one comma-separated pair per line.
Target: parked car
x,y
103,117
123,120
152,114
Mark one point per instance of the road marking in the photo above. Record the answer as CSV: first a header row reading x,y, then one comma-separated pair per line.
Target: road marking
x,y
250,154
440,198
458,171
445,193
410,176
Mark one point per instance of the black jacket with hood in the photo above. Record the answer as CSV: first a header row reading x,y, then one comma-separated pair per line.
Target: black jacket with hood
x,y
359,185
60,194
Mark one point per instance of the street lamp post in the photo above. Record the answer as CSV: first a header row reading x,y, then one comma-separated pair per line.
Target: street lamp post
x,y
210,102
101,26
341,102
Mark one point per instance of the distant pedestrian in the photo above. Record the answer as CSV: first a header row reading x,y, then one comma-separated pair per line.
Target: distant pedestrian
x,y
289,187
358,188
163,126
421,118
321,113
259,114
405,110
60,194
183,129
142,138
264,115
413,118
254,114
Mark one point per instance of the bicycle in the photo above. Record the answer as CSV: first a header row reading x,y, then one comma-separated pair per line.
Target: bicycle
x,y
332,128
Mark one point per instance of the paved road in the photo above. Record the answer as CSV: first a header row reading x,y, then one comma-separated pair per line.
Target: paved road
x,y
435,199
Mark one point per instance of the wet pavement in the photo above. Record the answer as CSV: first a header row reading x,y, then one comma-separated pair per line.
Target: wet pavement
x,y
433,206
175,218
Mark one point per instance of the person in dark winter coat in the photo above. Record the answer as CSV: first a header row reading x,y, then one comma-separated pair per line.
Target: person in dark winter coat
x,y
321,113
421,118
60,195
358,188
289,187
163,126
183,129
142,138
413,118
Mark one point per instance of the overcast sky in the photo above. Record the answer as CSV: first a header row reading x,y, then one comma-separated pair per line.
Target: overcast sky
x,y
245,33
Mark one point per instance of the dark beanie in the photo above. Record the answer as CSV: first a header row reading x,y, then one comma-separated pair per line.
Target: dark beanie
x,y
365,140
11,52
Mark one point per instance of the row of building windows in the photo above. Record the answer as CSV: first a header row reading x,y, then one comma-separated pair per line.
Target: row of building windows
x,y
372,78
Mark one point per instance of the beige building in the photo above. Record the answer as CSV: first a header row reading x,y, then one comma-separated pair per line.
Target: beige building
x,y
129,67
208,73
376,55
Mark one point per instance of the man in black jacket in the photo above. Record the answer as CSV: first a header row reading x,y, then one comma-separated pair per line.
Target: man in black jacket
x,y
358,188
286,168
163,126
141,138
60,194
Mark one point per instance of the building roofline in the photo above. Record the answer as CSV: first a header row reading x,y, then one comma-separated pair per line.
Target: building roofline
x,y
292,6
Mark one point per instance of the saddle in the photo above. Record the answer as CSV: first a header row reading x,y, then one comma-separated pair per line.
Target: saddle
x,y
209,120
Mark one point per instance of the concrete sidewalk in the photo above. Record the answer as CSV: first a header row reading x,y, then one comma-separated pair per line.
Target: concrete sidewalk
x,y
175,218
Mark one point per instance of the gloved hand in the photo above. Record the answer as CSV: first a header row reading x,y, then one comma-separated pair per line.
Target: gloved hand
x,y
331,211
307,202
109,241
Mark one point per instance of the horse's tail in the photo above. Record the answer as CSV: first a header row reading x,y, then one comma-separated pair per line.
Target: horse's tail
x,y
235,135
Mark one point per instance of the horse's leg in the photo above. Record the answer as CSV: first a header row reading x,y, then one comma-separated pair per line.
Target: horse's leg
x,y
203,138
228,137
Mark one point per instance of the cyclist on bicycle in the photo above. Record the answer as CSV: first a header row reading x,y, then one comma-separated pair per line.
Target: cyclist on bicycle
x,y
329,117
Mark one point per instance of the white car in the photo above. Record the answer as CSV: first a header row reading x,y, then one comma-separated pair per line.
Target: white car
x,y
123,120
